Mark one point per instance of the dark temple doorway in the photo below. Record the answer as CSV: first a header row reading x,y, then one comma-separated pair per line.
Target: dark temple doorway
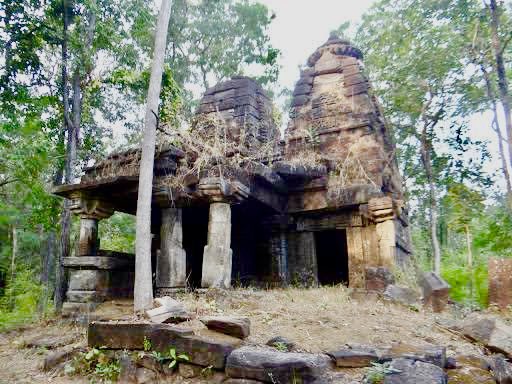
x,y
195,236
332,256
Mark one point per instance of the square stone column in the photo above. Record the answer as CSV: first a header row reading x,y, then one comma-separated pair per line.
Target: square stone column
x,y
171,260
217,256
88,243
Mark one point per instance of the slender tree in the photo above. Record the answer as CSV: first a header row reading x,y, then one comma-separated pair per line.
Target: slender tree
x,y
143,290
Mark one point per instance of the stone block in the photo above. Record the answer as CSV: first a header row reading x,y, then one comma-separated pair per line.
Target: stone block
x,y
435,291
501,370
490,331
402,295
129,335
271,366
88,280
203,351
354,357
500,282
431,354
417,372
188,371
378,278
239,327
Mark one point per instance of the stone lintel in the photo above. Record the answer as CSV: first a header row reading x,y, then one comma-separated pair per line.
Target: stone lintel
x,y
220,190
97,262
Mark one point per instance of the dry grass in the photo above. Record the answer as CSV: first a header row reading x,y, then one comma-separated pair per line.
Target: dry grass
x,y
318,319
325,318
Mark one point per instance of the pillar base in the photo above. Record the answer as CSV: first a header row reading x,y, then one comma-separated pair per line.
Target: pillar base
x,y
217,262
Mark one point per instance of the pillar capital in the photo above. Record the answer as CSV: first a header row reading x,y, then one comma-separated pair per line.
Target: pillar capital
x,y
217,189
90,208
384,208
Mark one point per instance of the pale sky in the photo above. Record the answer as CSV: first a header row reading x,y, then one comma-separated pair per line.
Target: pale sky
x,y
301,26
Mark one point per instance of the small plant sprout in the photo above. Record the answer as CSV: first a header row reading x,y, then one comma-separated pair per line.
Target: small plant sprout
x,y
147,344
174,358
377,372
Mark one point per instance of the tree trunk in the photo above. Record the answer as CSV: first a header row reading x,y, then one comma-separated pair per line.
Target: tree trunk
x,y
496,127
469,260
143,290
501,73
427,163
47,251
65,221
14,252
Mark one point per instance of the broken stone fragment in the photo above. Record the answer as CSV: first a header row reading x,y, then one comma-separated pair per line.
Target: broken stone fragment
x,y
168,310
431,354
402,295
493,333
49,342
271,366
469,375
241,381
501,370
234,326
55,358
417,372
354,357
435,291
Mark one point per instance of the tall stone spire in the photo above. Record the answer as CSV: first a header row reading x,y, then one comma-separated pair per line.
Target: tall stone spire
x,y
333,106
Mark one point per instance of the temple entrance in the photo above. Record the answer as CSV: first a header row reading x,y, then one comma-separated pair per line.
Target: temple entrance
x,y
195,236
332,256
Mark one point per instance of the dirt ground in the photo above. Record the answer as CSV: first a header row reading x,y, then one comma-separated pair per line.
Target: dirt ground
x,y
316,320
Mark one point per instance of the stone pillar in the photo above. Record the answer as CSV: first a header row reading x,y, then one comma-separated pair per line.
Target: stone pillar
x,y
88,243
217,256
171,260
386,237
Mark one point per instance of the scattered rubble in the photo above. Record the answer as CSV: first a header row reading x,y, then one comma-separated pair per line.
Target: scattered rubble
x,y
234,326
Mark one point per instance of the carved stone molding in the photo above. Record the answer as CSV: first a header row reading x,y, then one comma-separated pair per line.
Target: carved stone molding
x,y
90,208
220,190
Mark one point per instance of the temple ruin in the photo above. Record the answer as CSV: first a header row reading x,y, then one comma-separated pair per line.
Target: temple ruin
x,y
236,203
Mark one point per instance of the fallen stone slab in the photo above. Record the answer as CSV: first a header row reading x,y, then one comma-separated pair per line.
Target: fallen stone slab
x,y
501,370
417,372
234,326
49,342
241,381
353,357
168,310
53,359
432,354
130,335
493,333
200,350
271,366
402,295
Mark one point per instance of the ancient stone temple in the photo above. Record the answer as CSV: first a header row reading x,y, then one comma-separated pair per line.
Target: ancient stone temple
x,y
235,203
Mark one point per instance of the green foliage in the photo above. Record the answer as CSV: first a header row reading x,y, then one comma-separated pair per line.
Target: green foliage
x,y
117,233
96,364
21,298
493,237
